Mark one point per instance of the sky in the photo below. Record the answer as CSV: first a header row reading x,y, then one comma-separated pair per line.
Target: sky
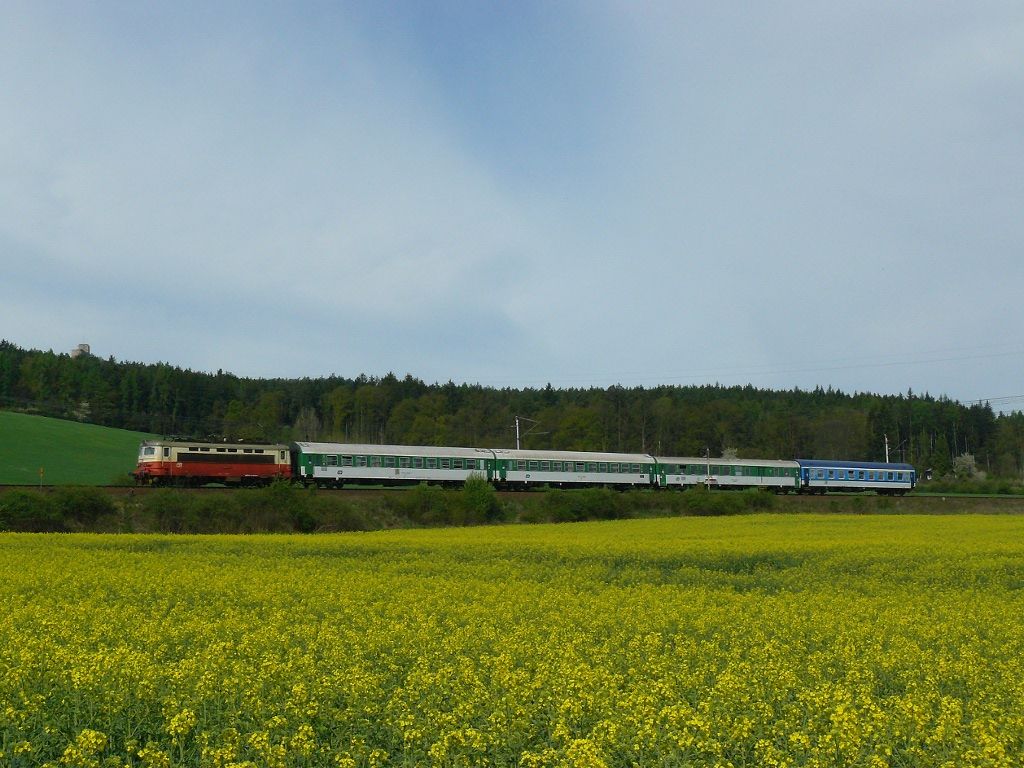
x,y
790,194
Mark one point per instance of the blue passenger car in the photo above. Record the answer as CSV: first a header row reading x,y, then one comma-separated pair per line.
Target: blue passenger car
x,y
819,476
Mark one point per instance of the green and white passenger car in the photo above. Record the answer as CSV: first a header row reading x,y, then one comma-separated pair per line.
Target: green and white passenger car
x,y
688,471
565,469
332,465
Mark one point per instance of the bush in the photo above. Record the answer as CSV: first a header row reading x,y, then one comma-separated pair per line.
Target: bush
x,y
29,511
479,501
423,504
560,506
279,507
702,501
336,513
83,505
168,511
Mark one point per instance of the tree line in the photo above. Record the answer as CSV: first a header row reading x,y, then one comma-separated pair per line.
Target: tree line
x,y
929,432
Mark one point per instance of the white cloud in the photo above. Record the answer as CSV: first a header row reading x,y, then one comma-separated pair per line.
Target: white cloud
x,y
682,188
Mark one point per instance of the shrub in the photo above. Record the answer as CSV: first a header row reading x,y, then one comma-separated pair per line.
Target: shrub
x,y
479,501
83,505
336,513
702,501
279,507
561,506
168,511
29,511
423,504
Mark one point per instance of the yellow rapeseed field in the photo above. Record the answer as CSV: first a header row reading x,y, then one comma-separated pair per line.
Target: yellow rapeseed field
x,y
751,641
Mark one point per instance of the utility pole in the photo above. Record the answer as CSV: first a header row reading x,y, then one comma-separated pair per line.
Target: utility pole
x,y
529,431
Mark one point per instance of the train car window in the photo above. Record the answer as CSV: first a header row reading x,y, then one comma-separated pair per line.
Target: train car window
x,y
446,463
260,450
556,466
389,461
636,467
284,455
890,476
346,461
360,461
531,466
403,461
167,453
603,467
545,466
149,451
431,463
580,466
591,466
417,462
332,461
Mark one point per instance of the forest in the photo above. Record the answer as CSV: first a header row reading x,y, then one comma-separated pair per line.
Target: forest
x,y
930,432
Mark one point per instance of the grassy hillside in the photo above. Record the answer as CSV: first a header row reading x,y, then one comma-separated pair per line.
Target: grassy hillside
x,y
69,452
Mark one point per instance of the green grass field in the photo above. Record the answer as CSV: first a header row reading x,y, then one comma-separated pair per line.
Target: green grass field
x,y
69,453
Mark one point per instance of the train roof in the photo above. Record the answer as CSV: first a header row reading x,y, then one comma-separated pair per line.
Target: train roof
x,y
545,455
788,463
852,464
177,443
360,449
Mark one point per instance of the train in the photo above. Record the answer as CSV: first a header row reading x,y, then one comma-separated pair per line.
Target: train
x,y
338,465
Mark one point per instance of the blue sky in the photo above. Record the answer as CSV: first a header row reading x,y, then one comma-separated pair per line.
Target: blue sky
x,y
789,194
